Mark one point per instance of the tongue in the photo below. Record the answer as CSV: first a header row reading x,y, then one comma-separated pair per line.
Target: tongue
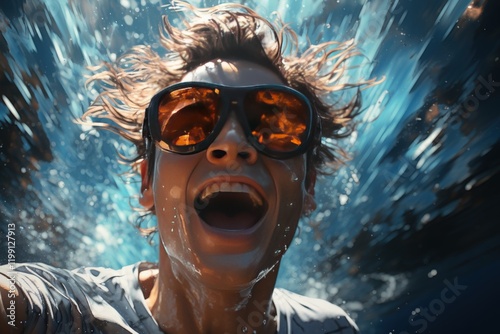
x,y
237,221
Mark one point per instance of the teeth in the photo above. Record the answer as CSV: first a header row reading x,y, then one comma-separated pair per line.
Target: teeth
x,y
234,187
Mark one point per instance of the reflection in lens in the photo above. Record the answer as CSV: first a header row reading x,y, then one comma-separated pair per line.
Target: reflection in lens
x,y
277,119
187,116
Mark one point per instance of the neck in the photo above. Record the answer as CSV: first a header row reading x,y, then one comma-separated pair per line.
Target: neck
x,y
182,304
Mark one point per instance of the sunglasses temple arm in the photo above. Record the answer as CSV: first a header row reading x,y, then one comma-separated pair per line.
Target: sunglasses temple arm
x,y
145,130
145,127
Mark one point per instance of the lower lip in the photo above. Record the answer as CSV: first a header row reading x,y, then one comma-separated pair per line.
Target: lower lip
x,y
229,241
235,232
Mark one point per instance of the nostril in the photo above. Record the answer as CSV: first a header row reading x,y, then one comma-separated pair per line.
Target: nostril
x,y
244,155
218,153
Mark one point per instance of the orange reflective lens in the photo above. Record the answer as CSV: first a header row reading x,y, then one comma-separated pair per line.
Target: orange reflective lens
x,y
186,117
280,119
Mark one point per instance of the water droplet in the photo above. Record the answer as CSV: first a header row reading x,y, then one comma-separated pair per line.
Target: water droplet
x,y
172,230
244,329
264,322
277,252
287,229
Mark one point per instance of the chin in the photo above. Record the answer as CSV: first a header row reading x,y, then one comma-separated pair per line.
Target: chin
x,y
236,272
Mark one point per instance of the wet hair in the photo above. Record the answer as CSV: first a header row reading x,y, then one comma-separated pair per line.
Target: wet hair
x,y
227,31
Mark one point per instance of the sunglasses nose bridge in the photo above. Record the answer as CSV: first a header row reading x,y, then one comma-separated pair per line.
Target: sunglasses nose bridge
x,y
233,108
231,144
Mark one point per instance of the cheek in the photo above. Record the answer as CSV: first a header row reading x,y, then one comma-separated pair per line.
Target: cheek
x,y
290,181
171,175
290,184
169,188
167,193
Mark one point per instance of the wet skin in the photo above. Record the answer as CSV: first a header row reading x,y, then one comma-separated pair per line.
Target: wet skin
x,y
212,273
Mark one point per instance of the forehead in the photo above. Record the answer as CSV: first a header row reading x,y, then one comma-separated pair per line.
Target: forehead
x,y
233,73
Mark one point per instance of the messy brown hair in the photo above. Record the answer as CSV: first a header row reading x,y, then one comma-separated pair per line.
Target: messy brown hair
x,y
227,31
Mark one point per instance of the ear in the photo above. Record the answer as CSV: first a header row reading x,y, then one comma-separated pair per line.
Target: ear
x,y
146,199
309,201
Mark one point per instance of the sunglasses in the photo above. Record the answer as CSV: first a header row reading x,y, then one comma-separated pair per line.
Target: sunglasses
x,y
185,118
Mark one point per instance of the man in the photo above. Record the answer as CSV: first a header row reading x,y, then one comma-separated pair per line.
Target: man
x,y
228,135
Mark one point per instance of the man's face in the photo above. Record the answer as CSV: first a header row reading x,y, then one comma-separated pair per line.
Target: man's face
x,y
226,215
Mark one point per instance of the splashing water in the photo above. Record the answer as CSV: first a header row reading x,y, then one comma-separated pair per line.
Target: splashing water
x,y
419,195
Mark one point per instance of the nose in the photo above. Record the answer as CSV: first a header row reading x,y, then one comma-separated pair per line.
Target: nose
x,y
231,145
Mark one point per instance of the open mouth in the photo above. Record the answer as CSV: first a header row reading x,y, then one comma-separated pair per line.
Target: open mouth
x,y
230,206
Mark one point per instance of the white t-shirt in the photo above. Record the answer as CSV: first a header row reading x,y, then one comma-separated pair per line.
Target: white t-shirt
x,y
103,300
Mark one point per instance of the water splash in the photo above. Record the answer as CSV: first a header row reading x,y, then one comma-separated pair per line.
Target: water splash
x,y
425,156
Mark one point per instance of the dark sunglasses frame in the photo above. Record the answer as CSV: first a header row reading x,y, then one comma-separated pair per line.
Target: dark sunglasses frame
x,y
231,99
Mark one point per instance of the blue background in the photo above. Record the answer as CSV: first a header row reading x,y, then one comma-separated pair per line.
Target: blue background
x,y
414,211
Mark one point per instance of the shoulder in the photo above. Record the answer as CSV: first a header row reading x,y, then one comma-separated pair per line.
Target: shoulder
x,y
301,314
45,279
99,296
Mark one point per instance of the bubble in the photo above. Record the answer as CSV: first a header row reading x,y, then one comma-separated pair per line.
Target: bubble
x,y
343,199
175,192
129,20
125,3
